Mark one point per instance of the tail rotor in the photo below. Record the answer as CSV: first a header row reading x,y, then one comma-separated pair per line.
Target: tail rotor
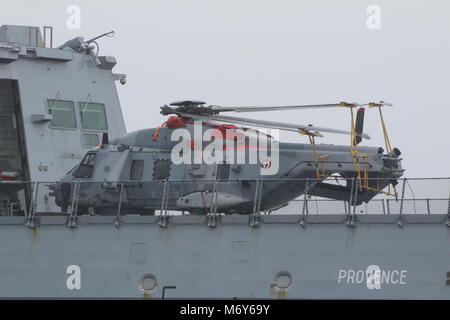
x,y
359,125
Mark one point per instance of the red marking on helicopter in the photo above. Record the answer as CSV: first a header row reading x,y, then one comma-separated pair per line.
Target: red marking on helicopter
x,y
175,122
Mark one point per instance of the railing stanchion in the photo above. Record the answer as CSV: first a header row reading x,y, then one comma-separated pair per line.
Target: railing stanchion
x,y
213,207
355,197
119,206
350,200
163,216
31,204
305,201
403,197
73,217
352,204
448,212
256,204
305,204
400,222
32,221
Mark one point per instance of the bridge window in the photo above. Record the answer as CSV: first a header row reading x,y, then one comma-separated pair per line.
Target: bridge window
x,y
90,140
63,113
137,170
86,167
93,116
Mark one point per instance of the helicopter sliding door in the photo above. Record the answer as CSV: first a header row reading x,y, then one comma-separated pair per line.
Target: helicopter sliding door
x,y
147,175
13,164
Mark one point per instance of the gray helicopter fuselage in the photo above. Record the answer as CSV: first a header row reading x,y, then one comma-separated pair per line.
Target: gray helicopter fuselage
x,y
134,168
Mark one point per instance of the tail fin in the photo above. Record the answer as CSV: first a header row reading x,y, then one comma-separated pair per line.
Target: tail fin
x,y
359,124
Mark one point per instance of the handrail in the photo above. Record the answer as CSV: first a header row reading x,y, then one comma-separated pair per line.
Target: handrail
x,y
418,196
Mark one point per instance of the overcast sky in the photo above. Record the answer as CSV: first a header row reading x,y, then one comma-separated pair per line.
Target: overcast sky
x,y
258,52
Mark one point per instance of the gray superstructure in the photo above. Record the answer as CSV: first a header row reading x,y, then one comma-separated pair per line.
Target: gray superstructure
x,y
57,103
42,93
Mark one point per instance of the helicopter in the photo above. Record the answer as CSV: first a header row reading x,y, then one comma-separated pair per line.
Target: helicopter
x,y
200,160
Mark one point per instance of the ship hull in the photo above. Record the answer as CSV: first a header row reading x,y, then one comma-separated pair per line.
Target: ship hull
x,y
231,260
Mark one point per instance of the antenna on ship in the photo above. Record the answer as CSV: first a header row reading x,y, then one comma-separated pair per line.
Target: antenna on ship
x,y
93,40
79,45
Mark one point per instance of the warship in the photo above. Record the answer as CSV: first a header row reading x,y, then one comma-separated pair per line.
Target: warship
x,y
88,210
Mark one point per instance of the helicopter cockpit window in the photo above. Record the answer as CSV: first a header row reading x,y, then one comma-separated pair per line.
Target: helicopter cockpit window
x,y
137,170
63,113
161,169
86,166
93,116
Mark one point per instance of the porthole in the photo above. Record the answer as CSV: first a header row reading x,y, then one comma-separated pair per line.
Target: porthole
x,y
148,282
283,281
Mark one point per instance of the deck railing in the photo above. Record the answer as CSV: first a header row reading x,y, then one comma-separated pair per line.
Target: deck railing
x,y
421,196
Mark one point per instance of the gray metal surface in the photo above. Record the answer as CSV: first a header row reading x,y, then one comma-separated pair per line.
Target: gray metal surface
x,y
311,248
231,260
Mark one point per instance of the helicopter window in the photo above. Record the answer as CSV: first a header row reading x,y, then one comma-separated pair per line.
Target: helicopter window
x,y
90,140
137,170
86,166
93,116
223,171
63,113
161,169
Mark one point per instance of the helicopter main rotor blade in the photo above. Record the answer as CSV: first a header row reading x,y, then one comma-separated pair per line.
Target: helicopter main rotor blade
x,y
218,109
268,124
378,104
